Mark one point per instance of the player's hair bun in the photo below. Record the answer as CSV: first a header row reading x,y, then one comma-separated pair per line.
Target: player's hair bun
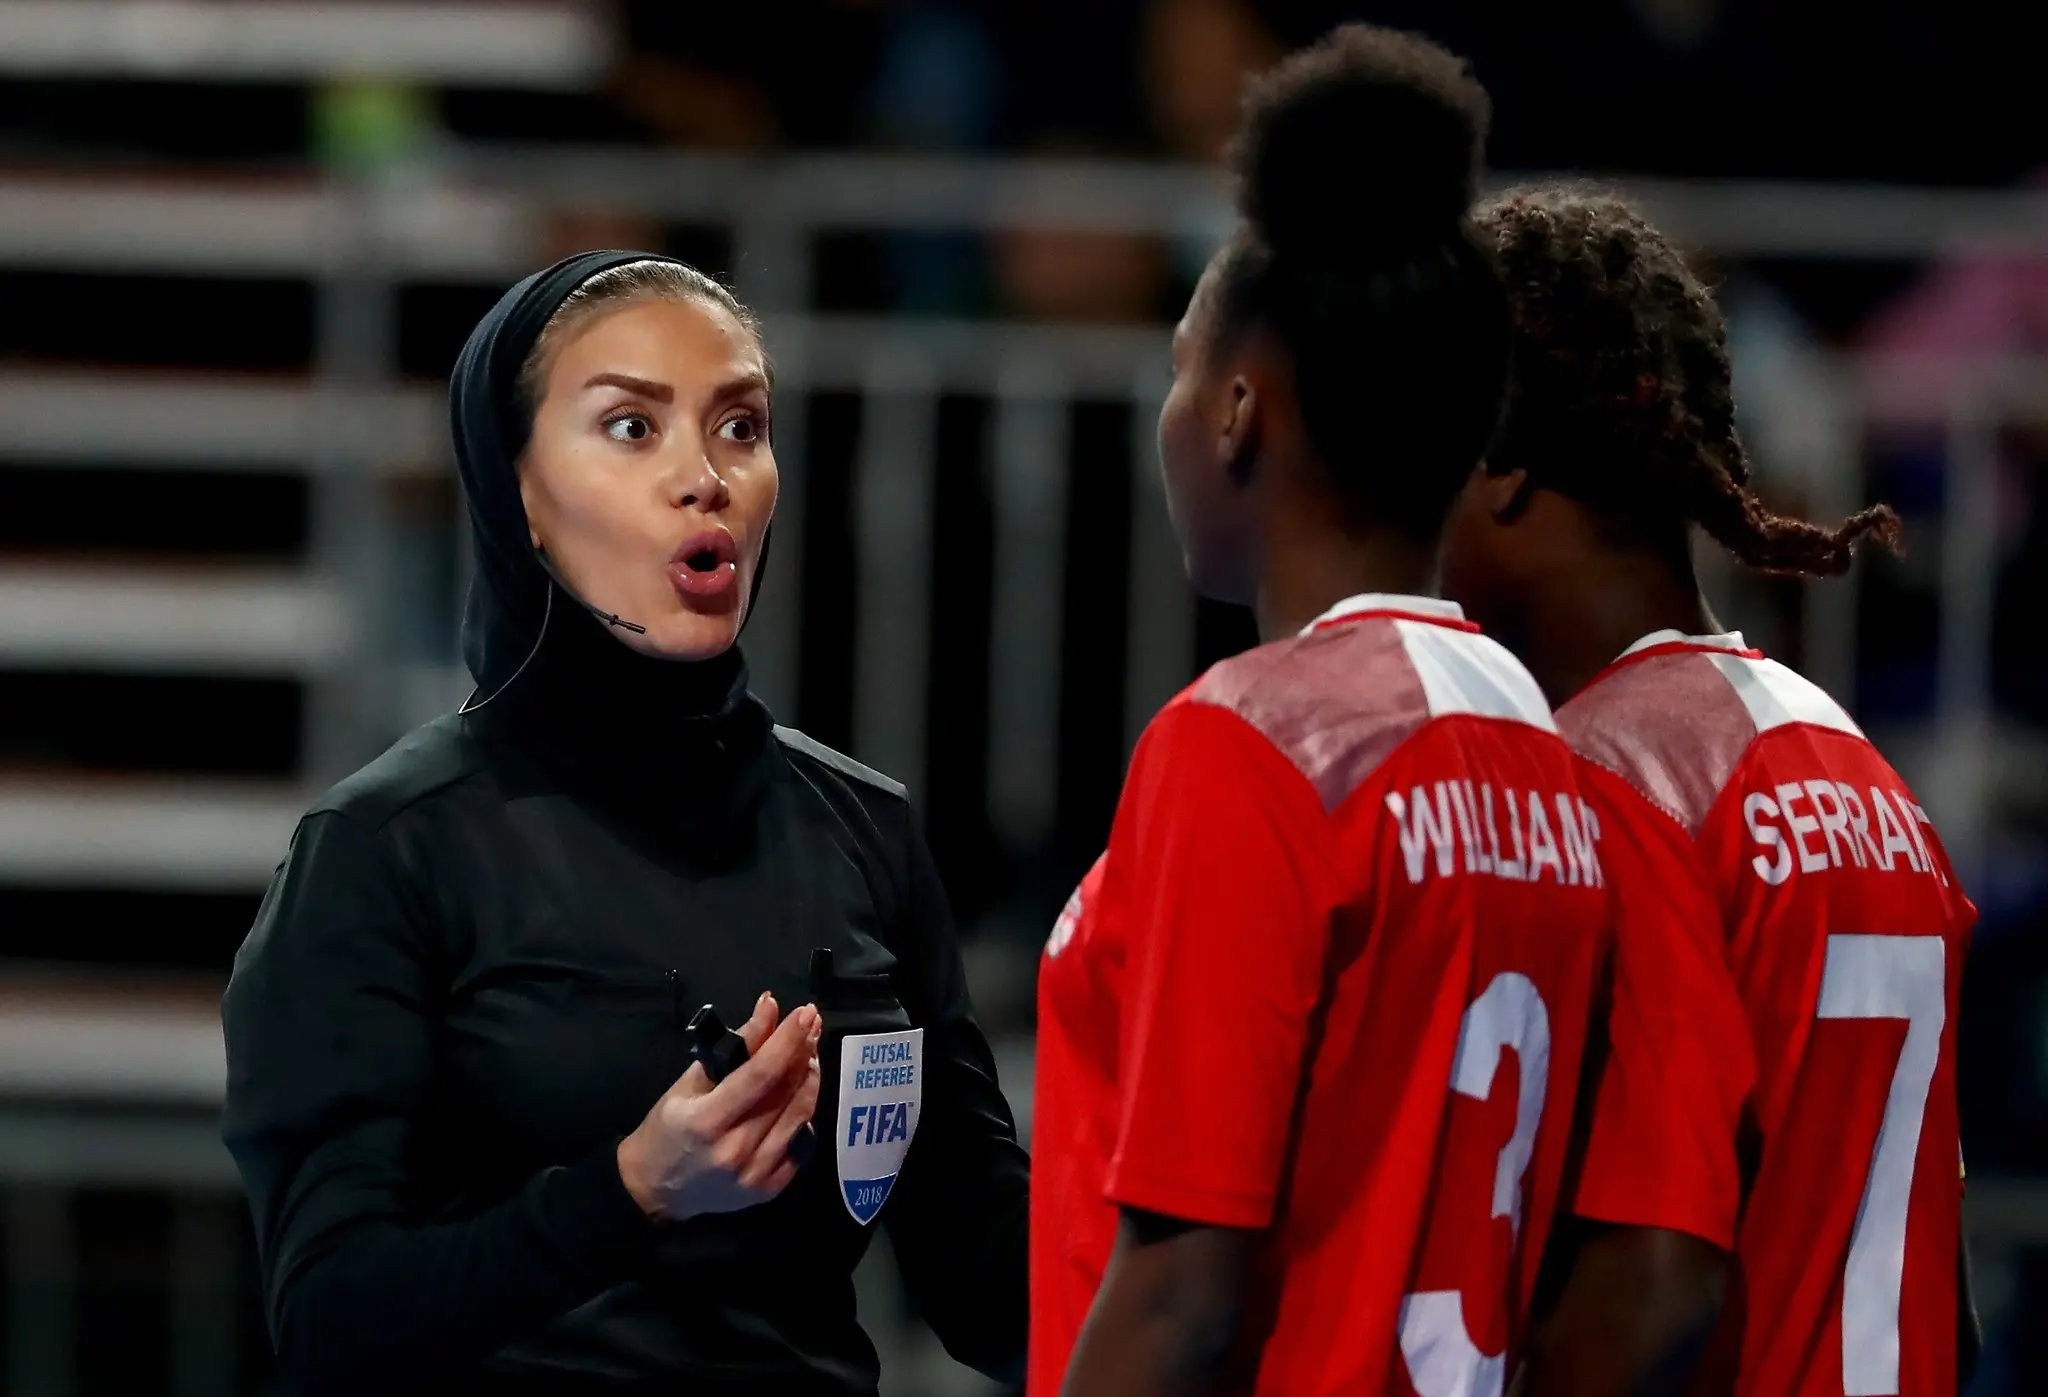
x,y
1369,141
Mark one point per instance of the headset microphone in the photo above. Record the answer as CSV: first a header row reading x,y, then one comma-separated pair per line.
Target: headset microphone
x,y
610,620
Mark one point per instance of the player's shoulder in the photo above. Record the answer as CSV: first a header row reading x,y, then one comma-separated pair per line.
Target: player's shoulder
x,y
1677,719
1338,700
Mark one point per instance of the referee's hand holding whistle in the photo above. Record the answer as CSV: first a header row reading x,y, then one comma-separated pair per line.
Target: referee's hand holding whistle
x,y
717,1149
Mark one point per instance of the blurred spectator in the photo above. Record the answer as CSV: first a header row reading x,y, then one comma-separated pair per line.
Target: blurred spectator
x,y
1197,54
1068,67
1891,89
937,88
365,125
1783,400
692,106
937,83
751,75
580,228
1053,274
1189,59
1979,303
1680,24
1952,333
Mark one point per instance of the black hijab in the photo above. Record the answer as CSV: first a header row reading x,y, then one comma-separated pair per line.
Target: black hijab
x,y
549,676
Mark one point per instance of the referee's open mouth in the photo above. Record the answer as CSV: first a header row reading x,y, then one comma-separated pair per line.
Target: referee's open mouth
x,y
706,567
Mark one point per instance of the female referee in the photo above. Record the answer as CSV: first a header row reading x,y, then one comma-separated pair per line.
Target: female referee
x,y
1311,1037
457,1032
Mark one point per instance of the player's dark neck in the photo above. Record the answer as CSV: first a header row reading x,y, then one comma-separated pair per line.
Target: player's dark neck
x,y
1313,570
1588,610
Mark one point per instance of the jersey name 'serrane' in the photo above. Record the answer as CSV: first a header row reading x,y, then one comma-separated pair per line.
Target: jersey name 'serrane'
x,y
1839,828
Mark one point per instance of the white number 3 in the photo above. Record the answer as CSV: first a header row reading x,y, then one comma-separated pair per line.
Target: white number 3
x,y
1885,977
1442,1359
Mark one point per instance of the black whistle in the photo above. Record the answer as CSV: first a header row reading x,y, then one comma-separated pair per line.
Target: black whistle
x,y
714,1045
721,1050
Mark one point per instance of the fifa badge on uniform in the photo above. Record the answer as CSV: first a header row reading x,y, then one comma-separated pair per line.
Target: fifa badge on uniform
x,y
881,1086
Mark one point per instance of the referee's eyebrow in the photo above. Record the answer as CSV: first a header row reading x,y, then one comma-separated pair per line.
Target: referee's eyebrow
x,y
644,387
738,386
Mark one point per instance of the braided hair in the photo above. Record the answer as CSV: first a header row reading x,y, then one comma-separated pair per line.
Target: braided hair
x,y
1356,166
1623,392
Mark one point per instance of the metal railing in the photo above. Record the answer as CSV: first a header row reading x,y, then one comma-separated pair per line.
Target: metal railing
x,y
539,44
479,217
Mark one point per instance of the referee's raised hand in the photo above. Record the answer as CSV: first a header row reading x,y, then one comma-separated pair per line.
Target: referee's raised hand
x,y
708,1148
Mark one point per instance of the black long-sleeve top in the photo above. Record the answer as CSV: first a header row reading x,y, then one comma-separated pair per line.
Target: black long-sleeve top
x,y
469,980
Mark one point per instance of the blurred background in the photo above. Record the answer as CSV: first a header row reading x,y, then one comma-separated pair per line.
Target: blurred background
x,y
241,241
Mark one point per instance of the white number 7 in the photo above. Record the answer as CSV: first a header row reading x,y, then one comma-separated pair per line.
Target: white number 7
x,y
1885,977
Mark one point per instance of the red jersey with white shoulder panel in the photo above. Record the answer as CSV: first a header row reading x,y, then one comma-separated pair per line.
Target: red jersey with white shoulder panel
x,y
1332,980
1846,933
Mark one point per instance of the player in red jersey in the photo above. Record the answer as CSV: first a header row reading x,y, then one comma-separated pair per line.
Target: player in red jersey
x,y
1312,1033
1844,921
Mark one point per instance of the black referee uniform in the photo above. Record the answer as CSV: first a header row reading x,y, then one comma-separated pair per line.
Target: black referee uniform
x,y
471,976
